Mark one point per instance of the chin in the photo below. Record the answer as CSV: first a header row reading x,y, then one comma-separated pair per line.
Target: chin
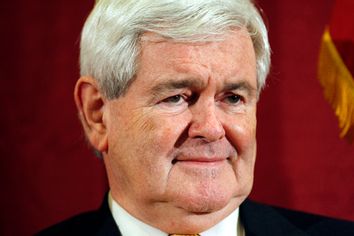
x,y
204,205
198,217
212,198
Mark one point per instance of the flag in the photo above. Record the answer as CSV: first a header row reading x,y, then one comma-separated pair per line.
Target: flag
x,y
336,65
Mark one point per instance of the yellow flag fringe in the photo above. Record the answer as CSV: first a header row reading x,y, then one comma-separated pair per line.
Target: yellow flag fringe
x,y
338,85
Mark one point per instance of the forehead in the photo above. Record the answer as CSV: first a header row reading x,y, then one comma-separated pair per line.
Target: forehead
x,y
227,57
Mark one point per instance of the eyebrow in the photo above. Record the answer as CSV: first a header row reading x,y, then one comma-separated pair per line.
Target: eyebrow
x,y
180,84
243,85
170,85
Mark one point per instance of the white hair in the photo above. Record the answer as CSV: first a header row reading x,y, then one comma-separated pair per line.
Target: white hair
x,y
111,35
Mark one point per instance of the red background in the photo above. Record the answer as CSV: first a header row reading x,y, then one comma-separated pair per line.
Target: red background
x,y
48,173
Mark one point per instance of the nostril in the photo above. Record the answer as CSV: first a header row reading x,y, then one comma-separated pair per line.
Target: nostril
x,y
205,124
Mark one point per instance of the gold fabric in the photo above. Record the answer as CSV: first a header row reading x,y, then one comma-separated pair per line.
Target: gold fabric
x,y
338,84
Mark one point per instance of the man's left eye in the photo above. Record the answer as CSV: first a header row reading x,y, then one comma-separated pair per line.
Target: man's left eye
x,y
233,99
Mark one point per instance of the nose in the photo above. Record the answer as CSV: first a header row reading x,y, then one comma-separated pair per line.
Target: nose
x,y
205,123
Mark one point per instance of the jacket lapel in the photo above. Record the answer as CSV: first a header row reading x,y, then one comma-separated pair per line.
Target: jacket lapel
x,y
259,220
108,225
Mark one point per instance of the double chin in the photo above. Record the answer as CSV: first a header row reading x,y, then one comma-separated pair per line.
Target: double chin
x,y
201,187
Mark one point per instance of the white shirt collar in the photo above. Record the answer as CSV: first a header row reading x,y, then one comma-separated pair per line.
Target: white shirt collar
x,y
129,225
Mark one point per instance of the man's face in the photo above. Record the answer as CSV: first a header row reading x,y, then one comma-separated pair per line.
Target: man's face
x,y
181,140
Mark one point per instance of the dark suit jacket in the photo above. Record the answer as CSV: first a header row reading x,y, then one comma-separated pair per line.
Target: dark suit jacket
x,y
257,219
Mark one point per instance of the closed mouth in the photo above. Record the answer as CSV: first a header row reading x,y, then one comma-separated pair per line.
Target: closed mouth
x,y
200,160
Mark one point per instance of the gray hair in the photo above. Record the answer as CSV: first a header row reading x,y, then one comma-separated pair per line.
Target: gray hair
x,y
111,35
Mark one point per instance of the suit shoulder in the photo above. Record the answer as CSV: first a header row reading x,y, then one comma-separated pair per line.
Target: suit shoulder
x,y
99,222
308,223
82,224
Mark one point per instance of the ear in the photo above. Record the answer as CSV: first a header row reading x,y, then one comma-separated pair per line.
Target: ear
x,y
90,103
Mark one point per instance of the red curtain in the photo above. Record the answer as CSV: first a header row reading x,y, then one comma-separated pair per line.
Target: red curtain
x,y
49,174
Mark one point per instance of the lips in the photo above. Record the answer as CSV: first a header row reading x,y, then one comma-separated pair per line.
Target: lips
x,y
199,160
200,152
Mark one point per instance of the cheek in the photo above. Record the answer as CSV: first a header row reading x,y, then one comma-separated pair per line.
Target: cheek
x,y
166,131
148,137
157,136
243,137
242,134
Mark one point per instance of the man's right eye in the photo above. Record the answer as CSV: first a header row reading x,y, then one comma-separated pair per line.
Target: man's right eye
x,y
174,100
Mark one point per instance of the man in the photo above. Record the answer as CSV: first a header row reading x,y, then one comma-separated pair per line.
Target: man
x,y
167,95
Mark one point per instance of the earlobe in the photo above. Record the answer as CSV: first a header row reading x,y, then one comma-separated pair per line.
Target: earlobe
x,y
90,103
